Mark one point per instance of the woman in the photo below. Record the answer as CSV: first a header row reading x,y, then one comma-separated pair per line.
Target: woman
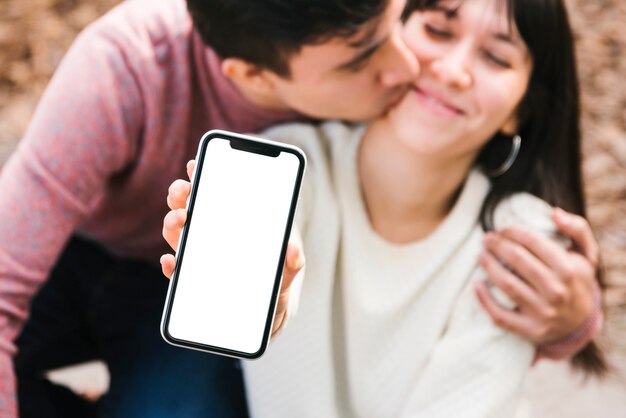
x,y
394,214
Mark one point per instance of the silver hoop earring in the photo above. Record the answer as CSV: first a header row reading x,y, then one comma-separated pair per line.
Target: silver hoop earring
x,y
510,159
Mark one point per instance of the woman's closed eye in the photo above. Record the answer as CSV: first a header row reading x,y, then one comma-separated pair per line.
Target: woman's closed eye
x,y
496,59
436,32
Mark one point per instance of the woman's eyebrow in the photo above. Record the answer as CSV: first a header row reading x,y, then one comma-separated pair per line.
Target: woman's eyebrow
x,y
449,12
507,38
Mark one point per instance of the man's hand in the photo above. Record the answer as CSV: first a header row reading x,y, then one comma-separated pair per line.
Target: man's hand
x,y
174,221
553,288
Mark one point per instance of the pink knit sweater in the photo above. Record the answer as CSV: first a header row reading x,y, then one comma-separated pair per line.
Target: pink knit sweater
x,y
116,125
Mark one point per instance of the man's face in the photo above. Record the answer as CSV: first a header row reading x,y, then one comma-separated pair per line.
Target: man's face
x,y
356,78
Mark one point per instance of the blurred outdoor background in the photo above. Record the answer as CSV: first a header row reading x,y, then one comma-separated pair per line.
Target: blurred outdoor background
x,y
34,34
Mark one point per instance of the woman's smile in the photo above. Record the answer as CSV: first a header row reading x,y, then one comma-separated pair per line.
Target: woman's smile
x,y
437,104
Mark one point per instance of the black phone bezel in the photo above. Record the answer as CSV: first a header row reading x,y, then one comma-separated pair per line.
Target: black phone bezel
x,y
244,143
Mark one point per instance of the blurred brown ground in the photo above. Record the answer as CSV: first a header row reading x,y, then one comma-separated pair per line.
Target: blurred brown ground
x,y
34,34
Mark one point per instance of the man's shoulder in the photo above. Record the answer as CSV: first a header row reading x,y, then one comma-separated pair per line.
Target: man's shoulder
x,y
143,25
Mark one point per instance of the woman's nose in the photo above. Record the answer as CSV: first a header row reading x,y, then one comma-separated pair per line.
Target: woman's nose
x,y
453,67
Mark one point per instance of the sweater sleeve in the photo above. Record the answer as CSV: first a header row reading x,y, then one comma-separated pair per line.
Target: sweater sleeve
x,y
478,368
79,136
475,370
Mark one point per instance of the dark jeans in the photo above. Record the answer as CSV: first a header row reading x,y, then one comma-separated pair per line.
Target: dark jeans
x,y
96,306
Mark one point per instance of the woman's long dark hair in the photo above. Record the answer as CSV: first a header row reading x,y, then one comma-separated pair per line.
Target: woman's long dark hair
x,y
549,161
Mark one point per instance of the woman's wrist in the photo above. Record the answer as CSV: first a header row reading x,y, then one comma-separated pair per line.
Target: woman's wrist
x,y
571,344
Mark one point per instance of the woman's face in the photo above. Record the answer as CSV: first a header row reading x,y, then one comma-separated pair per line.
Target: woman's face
x,y
475,71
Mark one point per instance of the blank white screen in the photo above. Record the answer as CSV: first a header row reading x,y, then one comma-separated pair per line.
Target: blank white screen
x,y
233,246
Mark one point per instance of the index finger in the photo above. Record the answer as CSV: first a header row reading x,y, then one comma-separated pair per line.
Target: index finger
x,y
543,248
518,257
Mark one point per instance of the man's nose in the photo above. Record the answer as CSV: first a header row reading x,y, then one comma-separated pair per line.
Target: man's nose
x,y
400,64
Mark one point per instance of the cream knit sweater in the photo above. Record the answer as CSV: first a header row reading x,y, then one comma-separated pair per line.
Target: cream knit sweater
x,y
385,330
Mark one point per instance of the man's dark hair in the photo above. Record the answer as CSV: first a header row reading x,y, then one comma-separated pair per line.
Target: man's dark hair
x,y
268,32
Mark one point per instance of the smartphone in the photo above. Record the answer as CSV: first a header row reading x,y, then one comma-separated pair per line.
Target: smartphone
x,y
224,289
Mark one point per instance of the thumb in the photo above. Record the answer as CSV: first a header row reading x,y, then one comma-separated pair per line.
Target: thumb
x,y
579,230
294,261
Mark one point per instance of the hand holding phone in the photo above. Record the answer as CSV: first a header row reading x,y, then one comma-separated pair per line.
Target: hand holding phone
x,y
227,277
174,222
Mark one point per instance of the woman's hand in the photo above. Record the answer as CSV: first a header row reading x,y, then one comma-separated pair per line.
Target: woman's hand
x,y
554,292
174,221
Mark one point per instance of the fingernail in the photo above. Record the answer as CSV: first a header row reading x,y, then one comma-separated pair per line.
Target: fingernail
x,y
480,284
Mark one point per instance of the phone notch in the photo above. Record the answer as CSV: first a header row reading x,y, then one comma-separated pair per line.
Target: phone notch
x,y
254,147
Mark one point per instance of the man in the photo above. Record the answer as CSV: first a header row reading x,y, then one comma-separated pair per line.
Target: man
x,y
82,199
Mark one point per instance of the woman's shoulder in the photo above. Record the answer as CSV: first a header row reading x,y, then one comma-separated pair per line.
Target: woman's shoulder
x,y
527,211
293,130
314,138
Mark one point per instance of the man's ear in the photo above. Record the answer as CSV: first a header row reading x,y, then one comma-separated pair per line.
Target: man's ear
x,y
248,76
